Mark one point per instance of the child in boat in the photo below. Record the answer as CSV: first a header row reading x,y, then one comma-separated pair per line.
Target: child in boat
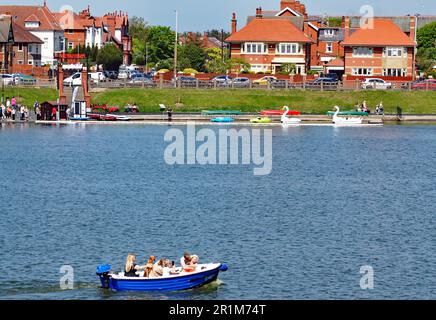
x,y
185,260
149,266
131,267
192,266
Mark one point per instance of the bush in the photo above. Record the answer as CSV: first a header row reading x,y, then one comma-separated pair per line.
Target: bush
x,y
190,71
311,72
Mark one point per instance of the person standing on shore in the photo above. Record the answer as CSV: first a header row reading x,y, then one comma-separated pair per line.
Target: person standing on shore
x,y
14,102
3,111
170,113
13,111
68,114
22,113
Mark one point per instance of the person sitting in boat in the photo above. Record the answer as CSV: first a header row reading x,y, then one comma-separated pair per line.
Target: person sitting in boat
x,y
149,266
185,260
157,270
131,267
192,265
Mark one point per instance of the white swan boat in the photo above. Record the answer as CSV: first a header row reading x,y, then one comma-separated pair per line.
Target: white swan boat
x,y
286,120
345,121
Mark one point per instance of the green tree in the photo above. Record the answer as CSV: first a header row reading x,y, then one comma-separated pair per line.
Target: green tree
x,y
288,68
192,55
160,44
238,65
426,36
110,57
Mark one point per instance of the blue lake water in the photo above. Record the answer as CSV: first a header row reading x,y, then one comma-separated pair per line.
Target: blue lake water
x,y
337,199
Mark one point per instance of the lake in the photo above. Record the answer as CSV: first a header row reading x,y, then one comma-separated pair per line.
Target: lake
x,y
337,199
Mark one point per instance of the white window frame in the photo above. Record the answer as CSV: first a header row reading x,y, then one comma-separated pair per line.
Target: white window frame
x,y
329,47
45,43
31,24
70,45
329,32
363,71
30,62
289,48
395,52
253,47
395,72
358,52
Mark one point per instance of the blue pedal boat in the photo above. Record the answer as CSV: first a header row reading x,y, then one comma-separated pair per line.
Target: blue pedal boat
x,y
222,119
205,273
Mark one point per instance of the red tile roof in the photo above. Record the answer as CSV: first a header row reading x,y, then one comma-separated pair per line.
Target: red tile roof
x,y
269,30
23,36
384,33
21,14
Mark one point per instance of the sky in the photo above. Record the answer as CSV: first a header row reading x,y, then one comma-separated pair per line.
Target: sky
x,y
201,15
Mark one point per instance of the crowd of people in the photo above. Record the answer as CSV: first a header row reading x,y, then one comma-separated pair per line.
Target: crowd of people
x,y
159,268
11,111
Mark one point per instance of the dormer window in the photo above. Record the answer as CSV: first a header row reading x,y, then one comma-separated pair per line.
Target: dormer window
x,y
329,32
31,24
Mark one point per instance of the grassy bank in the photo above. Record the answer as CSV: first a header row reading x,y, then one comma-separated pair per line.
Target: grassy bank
x,y
246,100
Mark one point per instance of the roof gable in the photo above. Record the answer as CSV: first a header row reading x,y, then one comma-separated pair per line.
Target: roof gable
x,y
23,14
384,33
269,30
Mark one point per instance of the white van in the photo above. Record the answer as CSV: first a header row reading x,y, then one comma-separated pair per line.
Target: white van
x,y
97,76
74,80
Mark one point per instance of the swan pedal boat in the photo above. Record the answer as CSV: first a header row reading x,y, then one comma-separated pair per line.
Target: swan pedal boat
x,y
289,121
260,120
204,274
222,119
342,121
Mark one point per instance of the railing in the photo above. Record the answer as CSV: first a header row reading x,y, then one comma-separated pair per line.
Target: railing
x,y
249,84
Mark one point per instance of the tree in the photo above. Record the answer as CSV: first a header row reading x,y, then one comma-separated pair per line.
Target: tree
x,y
192,55
214,33
288,68
238,65
426,56
160,44
110,57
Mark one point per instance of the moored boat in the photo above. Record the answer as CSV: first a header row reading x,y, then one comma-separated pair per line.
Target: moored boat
x,y
222,119
204,274
260,120
348,113
279,113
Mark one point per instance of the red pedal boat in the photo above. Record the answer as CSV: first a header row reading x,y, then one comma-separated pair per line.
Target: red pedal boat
x,y
279,113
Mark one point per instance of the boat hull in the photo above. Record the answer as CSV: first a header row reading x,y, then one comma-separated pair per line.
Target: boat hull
x,y
222,119
279,113
172,283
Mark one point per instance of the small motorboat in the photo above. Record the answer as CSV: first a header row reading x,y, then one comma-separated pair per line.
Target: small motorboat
x,y
204,274
286,120
260,120
279,113
114,117
345,121
222,119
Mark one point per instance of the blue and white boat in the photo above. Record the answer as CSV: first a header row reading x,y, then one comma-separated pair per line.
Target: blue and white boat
x,y
204,274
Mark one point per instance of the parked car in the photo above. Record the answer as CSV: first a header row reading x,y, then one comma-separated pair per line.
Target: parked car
x,y
74,80
376,83
241,82
123,74
109,74
20,78
97,76
264,80
140,78
222,79
185,79
429,84
7,79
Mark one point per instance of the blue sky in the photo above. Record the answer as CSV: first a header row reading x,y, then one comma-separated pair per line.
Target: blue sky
x,y
199,15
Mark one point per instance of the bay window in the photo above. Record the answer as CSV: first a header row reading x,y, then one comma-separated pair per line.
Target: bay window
x,y
395,72
394,52
362,72
254,48
289,48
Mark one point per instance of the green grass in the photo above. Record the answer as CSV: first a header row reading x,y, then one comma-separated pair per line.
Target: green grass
x,y
246,100
27,96
256,100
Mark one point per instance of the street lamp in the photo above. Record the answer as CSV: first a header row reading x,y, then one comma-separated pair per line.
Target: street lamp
x,y
175,49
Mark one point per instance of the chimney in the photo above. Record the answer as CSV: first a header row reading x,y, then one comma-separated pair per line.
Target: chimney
x,y
259,13
234,23
412,28
205,40
287,4
346,27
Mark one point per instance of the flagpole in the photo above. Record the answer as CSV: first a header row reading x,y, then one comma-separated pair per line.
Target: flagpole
x,y
175,49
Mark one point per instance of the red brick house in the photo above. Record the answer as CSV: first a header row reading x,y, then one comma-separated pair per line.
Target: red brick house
x,y
268,42
382,50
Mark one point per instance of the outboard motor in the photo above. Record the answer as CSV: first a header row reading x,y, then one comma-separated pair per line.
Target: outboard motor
x,y
103,272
